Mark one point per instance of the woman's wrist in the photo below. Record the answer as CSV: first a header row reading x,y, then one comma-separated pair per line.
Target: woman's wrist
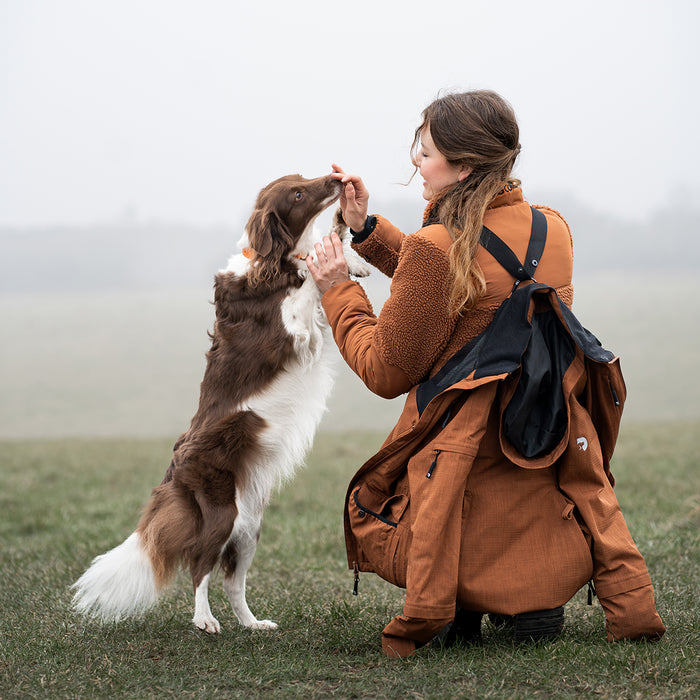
x,y
364,232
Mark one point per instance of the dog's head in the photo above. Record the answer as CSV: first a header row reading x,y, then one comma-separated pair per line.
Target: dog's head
x,y
284,212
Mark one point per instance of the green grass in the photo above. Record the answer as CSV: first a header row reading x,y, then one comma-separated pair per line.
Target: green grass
x,y
62,502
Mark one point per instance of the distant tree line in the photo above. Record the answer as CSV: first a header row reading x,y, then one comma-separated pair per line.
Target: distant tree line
x,y
158,256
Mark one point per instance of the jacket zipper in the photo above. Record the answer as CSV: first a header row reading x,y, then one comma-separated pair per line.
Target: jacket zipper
x,y
432,466
445,421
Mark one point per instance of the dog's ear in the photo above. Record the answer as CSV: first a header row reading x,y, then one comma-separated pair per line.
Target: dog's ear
x,y
259,238
265,228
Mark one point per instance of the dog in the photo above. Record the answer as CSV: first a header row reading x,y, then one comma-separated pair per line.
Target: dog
x,y
264,391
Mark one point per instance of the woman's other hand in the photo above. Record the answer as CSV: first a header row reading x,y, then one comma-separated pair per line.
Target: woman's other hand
x,y
354,198
330,267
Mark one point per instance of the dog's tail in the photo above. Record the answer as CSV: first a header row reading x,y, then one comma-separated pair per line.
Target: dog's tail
x,y
119,584
128,579
178,525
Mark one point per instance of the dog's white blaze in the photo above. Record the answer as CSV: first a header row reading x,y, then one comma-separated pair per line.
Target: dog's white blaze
x,y
119,583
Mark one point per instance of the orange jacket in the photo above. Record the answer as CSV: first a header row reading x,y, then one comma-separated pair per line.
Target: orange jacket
x,y
415,335
440,509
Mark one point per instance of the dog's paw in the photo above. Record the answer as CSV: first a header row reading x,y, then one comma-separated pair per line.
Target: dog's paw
x,y
207,624
358,268
262,625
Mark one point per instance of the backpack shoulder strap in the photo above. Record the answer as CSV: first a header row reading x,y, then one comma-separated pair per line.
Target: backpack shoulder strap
x,y
508,259
538,238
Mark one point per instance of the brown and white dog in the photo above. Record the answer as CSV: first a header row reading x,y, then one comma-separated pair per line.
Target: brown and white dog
x,y
264,391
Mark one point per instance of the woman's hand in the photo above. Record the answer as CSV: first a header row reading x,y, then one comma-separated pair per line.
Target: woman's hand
x,y
353,200
330,267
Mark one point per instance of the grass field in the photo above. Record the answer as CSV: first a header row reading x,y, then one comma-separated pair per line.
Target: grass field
x,y
62,502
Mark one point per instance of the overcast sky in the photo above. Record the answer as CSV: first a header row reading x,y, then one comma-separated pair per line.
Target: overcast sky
x,y
181,111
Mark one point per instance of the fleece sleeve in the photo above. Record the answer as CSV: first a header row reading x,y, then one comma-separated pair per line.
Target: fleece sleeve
x,y
381,248
412,329
352,319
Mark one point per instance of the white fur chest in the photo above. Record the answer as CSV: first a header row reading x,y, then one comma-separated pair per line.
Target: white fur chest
x,y
295,401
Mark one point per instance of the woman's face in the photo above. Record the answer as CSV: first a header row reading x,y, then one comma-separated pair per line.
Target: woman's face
x,y
436,172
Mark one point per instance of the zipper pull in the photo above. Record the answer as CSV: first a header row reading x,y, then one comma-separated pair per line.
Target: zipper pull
x,y
432,466
356,583
591,592
614,394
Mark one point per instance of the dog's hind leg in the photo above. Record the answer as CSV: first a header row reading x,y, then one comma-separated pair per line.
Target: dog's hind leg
x,y
203,618
216,527
236,561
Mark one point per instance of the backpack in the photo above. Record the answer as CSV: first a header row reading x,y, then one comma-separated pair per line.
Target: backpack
x,y
541,347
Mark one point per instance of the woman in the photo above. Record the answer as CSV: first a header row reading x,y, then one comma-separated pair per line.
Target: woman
x,y
446,508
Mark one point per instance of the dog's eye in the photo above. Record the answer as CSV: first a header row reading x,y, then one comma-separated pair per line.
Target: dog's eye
x,y
299,196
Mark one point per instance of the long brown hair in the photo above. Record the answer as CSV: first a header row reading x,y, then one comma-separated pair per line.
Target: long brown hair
x,y
477,130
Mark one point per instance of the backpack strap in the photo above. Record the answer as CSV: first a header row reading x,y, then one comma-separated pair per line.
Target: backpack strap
x,y
538,238
508,259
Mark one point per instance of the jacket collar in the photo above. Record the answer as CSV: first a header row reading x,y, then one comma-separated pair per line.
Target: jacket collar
x,y
510,194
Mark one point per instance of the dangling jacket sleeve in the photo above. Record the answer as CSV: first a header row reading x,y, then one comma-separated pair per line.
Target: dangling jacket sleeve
x,y
620,575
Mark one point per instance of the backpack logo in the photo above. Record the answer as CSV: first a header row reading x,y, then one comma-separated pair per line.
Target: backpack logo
x,y
582,444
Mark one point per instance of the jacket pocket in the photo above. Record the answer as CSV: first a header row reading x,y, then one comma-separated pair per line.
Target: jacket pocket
x,y
438,455
382,534
388,507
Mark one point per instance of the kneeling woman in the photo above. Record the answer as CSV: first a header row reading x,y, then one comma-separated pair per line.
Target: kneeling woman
x,y
448,508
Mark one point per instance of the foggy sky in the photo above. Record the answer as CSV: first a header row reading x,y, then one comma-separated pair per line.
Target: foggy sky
x,y
181,111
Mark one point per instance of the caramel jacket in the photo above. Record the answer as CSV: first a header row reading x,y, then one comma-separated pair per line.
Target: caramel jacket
x,y
446,508
415,334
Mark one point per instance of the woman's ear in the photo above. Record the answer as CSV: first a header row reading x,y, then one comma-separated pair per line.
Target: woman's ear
x,y
464,173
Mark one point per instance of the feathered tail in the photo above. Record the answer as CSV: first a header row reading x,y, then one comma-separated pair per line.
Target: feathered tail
x,y
118,584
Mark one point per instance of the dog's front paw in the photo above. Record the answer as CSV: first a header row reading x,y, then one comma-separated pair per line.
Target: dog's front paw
x,y
358,267
262,625
207,623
